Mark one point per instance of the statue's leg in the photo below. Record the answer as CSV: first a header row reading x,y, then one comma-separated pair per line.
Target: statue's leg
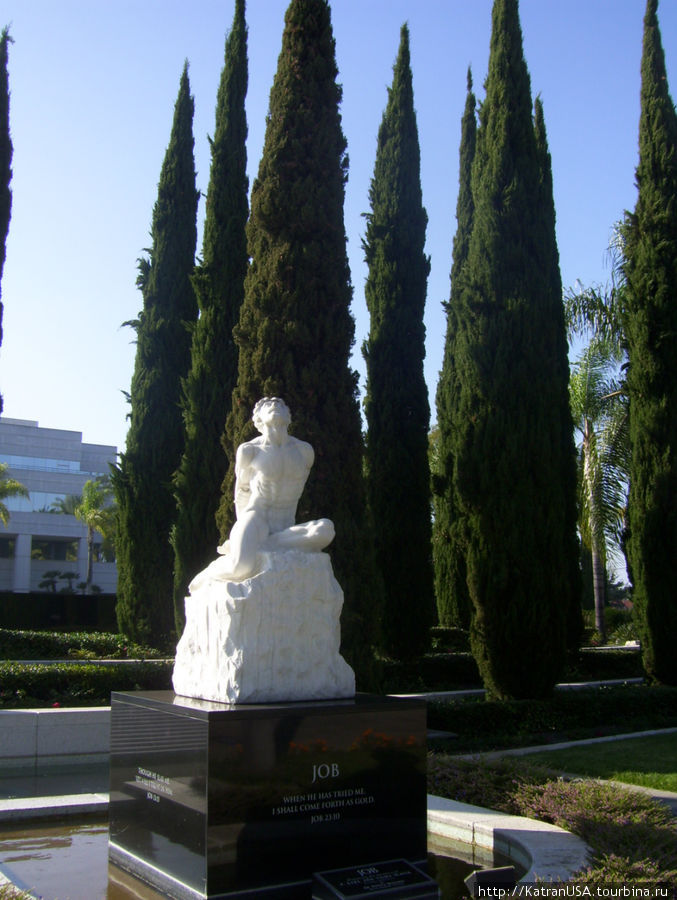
x,y
238,559
309,536
246,538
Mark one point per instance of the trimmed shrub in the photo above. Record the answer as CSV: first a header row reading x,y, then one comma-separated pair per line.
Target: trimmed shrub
x,y
481,725
432,672
73,684
93,612
598,665
454,640
450,671
64,645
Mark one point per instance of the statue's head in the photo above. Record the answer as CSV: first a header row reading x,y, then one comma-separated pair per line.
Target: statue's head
x,y
266,402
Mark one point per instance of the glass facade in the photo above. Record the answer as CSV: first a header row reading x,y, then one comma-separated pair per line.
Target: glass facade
x,y
37,501
41,464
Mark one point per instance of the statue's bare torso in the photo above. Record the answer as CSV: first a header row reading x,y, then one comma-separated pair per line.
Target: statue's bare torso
x,y
271,478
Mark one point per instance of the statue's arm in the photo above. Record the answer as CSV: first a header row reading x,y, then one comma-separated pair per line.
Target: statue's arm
x,y
308,454
243,473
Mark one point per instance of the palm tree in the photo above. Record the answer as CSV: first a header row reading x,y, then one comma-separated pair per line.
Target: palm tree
x,y
597,313
599,407
9,487
97,512
66,505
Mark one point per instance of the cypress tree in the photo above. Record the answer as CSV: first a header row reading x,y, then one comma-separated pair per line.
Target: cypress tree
x,y
6,151
396,402
561,416
513,417
219,286
143,479
451,589
651,330
295,330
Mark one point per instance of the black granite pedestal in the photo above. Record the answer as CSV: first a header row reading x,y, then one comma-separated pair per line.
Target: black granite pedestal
x,y
217,800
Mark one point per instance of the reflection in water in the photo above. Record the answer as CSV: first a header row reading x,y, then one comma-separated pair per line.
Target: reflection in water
x,y
63,859
69,858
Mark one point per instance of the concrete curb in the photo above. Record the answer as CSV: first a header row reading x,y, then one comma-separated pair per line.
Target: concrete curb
x,y
37,738
42,808
564,745
545,851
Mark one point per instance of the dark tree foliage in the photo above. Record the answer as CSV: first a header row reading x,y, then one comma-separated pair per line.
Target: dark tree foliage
x,y
396,402
449,540
514,436
295,331
6,151
143,479
651,330
219,286
560,373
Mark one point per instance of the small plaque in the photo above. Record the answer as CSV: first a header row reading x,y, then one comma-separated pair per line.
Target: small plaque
x,y
395,879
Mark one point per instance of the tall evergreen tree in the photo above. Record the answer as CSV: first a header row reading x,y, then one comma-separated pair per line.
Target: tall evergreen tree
x,y
651,330
295,331
396,402
560,413
143,479
451,589
6,151
219,286
515,441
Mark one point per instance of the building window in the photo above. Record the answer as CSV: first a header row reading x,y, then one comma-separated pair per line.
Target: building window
x,y
7,546
40,501
40,463
63,551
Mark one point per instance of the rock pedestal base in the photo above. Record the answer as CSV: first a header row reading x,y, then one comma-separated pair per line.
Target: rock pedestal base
x,y
271,638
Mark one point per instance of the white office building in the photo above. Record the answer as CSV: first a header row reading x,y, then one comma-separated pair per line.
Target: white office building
x,y
53,465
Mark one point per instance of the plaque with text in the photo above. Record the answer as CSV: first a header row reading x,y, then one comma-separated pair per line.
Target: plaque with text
x,y
395,879
210,799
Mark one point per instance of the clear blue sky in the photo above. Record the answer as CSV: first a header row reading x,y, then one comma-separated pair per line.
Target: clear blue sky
x,y
93,85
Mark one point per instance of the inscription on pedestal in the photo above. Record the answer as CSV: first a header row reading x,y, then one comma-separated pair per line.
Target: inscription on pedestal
x,y
324,806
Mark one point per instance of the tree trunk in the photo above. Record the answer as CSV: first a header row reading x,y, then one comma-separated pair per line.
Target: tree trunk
x,y
599,589
90,557
598,566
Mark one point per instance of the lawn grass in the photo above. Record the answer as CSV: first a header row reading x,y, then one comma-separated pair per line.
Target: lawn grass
x,y
647,761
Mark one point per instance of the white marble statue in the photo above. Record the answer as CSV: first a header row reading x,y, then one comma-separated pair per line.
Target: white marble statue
x,y
270,474
262,620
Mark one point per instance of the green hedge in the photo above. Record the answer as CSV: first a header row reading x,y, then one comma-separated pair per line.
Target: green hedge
x,y
455,671
47,610
450,639
591,712
598,665
62,645
73,684
432,672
